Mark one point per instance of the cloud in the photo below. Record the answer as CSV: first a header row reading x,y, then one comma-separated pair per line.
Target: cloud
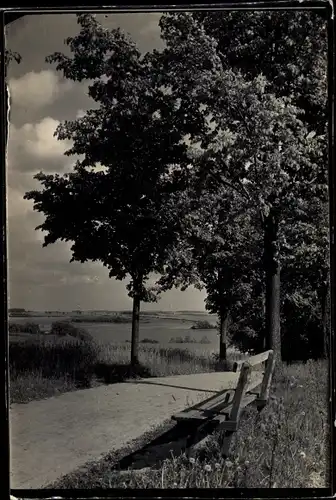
x,y
37,89
16,205
33,147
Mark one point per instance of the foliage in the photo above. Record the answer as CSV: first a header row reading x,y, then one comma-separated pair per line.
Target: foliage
x,y
24,328
259,146
10,56
288,47
202,325
64,328
129,143
290,50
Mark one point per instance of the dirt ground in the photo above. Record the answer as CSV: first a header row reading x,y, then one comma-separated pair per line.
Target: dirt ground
x,y
52,437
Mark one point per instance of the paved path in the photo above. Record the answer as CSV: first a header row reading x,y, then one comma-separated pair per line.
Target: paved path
x,y
55,436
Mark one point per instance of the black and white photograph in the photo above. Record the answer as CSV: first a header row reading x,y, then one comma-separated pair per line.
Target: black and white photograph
x,y
169,283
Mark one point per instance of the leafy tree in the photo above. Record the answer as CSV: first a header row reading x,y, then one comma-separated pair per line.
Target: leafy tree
x,y
10,55
118,215
306,273
258,145
290,49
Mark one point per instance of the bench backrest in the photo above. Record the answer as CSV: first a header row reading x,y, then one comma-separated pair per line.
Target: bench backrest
x,y
253,360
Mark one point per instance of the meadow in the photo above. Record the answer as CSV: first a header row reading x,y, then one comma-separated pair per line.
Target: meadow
x,y
44,364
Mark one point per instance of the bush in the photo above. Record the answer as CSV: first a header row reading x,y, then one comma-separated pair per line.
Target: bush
x,y
149,341
24,328
64,328
202,325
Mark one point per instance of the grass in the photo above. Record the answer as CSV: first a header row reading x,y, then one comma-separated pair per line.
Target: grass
x,y
284,446
40,369
189,340
41,366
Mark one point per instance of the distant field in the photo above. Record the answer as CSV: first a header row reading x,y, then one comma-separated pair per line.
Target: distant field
x,y
158,326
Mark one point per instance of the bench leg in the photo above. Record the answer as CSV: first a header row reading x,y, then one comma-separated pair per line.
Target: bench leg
x,y
260,404
197,435
226,444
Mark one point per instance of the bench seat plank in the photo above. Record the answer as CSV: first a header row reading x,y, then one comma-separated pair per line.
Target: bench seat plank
x,y
213,405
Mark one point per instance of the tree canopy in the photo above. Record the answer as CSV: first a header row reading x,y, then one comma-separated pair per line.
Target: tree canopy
x,y
203,163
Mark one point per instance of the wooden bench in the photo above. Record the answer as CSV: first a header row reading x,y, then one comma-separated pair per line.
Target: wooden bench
x,y
223,410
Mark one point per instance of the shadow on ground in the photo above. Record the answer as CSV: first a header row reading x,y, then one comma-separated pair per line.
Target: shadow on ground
x,y
112,374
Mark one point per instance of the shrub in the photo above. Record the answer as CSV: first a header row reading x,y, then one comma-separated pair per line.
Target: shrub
x,y
202,325
64,328
24,328
205,340
149,341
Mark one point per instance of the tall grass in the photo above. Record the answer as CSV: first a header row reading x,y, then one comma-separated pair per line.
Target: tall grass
x,y
161,361
65,363
42,369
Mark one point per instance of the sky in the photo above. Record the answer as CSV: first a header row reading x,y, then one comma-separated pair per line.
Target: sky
x,y
43,278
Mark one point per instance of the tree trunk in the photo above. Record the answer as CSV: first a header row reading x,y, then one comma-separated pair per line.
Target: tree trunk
x,y
135,331
224,320
272,282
